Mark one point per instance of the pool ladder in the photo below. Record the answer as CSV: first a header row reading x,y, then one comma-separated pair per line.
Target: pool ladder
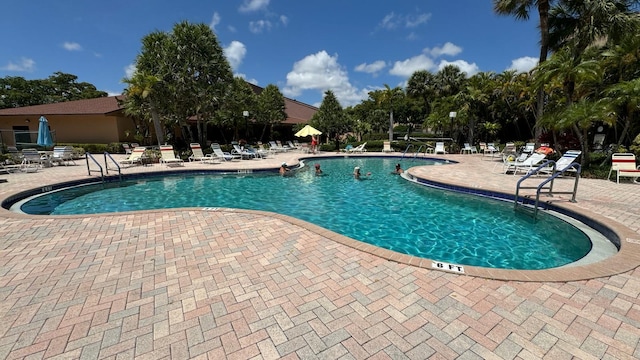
x,y
415,154
519,204
107,158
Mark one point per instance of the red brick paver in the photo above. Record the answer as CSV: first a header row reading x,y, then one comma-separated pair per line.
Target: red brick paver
x,y
211,284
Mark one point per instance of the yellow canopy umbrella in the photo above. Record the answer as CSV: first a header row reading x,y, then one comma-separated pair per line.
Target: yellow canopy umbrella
x,y
308,130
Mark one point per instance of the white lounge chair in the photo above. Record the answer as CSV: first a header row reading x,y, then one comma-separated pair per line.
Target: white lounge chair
x,y
510,160
198,155
489,149
529,148
359,149
63,155
468,149
563,163
528,164
168,156
273,146
217,150
244,154
135,157
9,168
31,160
624,164
439,149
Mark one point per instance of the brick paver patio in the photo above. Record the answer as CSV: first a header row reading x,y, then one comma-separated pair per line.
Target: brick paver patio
x,y
224,283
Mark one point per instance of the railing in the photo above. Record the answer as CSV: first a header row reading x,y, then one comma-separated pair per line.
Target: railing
x,y
89,170
554,174
405,151
415,154
108,156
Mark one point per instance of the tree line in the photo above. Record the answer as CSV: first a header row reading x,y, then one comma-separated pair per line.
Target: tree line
x,y
16,91
590,79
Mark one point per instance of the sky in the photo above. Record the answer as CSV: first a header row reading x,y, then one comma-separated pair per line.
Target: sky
x,y
303,47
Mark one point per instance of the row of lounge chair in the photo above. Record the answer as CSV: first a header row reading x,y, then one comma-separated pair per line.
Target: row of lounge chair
x,y
527,163
31,160
168,157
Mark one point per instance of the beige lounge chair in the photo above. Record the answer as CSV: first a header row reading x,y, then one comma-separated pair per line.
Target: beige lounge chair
x,y
168,156
135,157
386,147
198,155
624,164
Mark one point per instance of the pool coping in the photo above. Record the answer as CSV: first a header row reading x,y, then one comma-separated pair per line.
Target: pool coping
x,y
627,258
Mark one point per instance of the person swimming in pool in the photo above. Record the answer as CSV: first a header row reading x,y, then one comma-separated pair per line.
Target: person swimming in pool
x,y
356,173
284,169
318,170
398,170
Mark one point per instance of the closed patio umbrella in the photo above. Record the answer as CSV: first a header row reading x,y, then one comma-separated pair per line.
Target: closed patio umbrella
x,y
308,130
44,135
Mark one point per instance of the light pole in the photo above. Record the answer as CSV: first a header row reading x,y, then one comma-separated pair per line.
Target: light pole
x,y
246,123
452,116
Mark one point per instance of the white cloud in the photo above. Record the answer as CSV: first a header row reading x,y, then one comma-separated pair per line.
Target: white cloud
x,y
25,64
129,70
416,19
426,61
215,20
371,68
407,67
393,21
284,20
244,76
257,27
523,64
390,21
448,48
72,46
322,72
235,53
469,69
253,5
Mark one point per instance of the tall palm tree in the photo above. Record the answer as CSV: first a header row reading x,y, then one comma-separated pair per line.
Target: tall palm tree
x,y
580,24
422,85
572,75
520,9
387,100
450,80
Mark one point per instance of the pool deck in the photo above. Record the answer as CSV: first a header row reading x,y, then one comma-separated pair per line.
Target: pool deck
x,y
225,283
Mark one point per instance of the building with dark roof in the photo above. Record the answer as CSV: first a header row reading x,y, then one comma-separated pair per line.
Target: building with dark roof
x,y
99,120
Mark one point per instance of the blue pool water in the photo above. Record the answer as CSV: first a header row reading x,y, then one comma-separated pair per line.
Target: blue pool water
x,y
383,209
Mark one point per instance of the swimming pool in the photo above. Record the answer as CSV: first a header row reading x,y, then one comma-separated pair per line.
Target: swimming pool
x,y
384,210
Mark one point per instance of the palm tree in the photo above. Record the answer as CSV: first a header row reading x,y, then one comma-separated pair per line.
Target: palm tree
x,y
387,100
625,96
580,24
520,9
449,81
422,85
142,85
573,76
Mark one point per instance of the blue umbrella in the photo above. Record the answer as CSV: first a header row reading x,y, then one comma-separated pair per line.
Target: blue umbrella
x,y
44,135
